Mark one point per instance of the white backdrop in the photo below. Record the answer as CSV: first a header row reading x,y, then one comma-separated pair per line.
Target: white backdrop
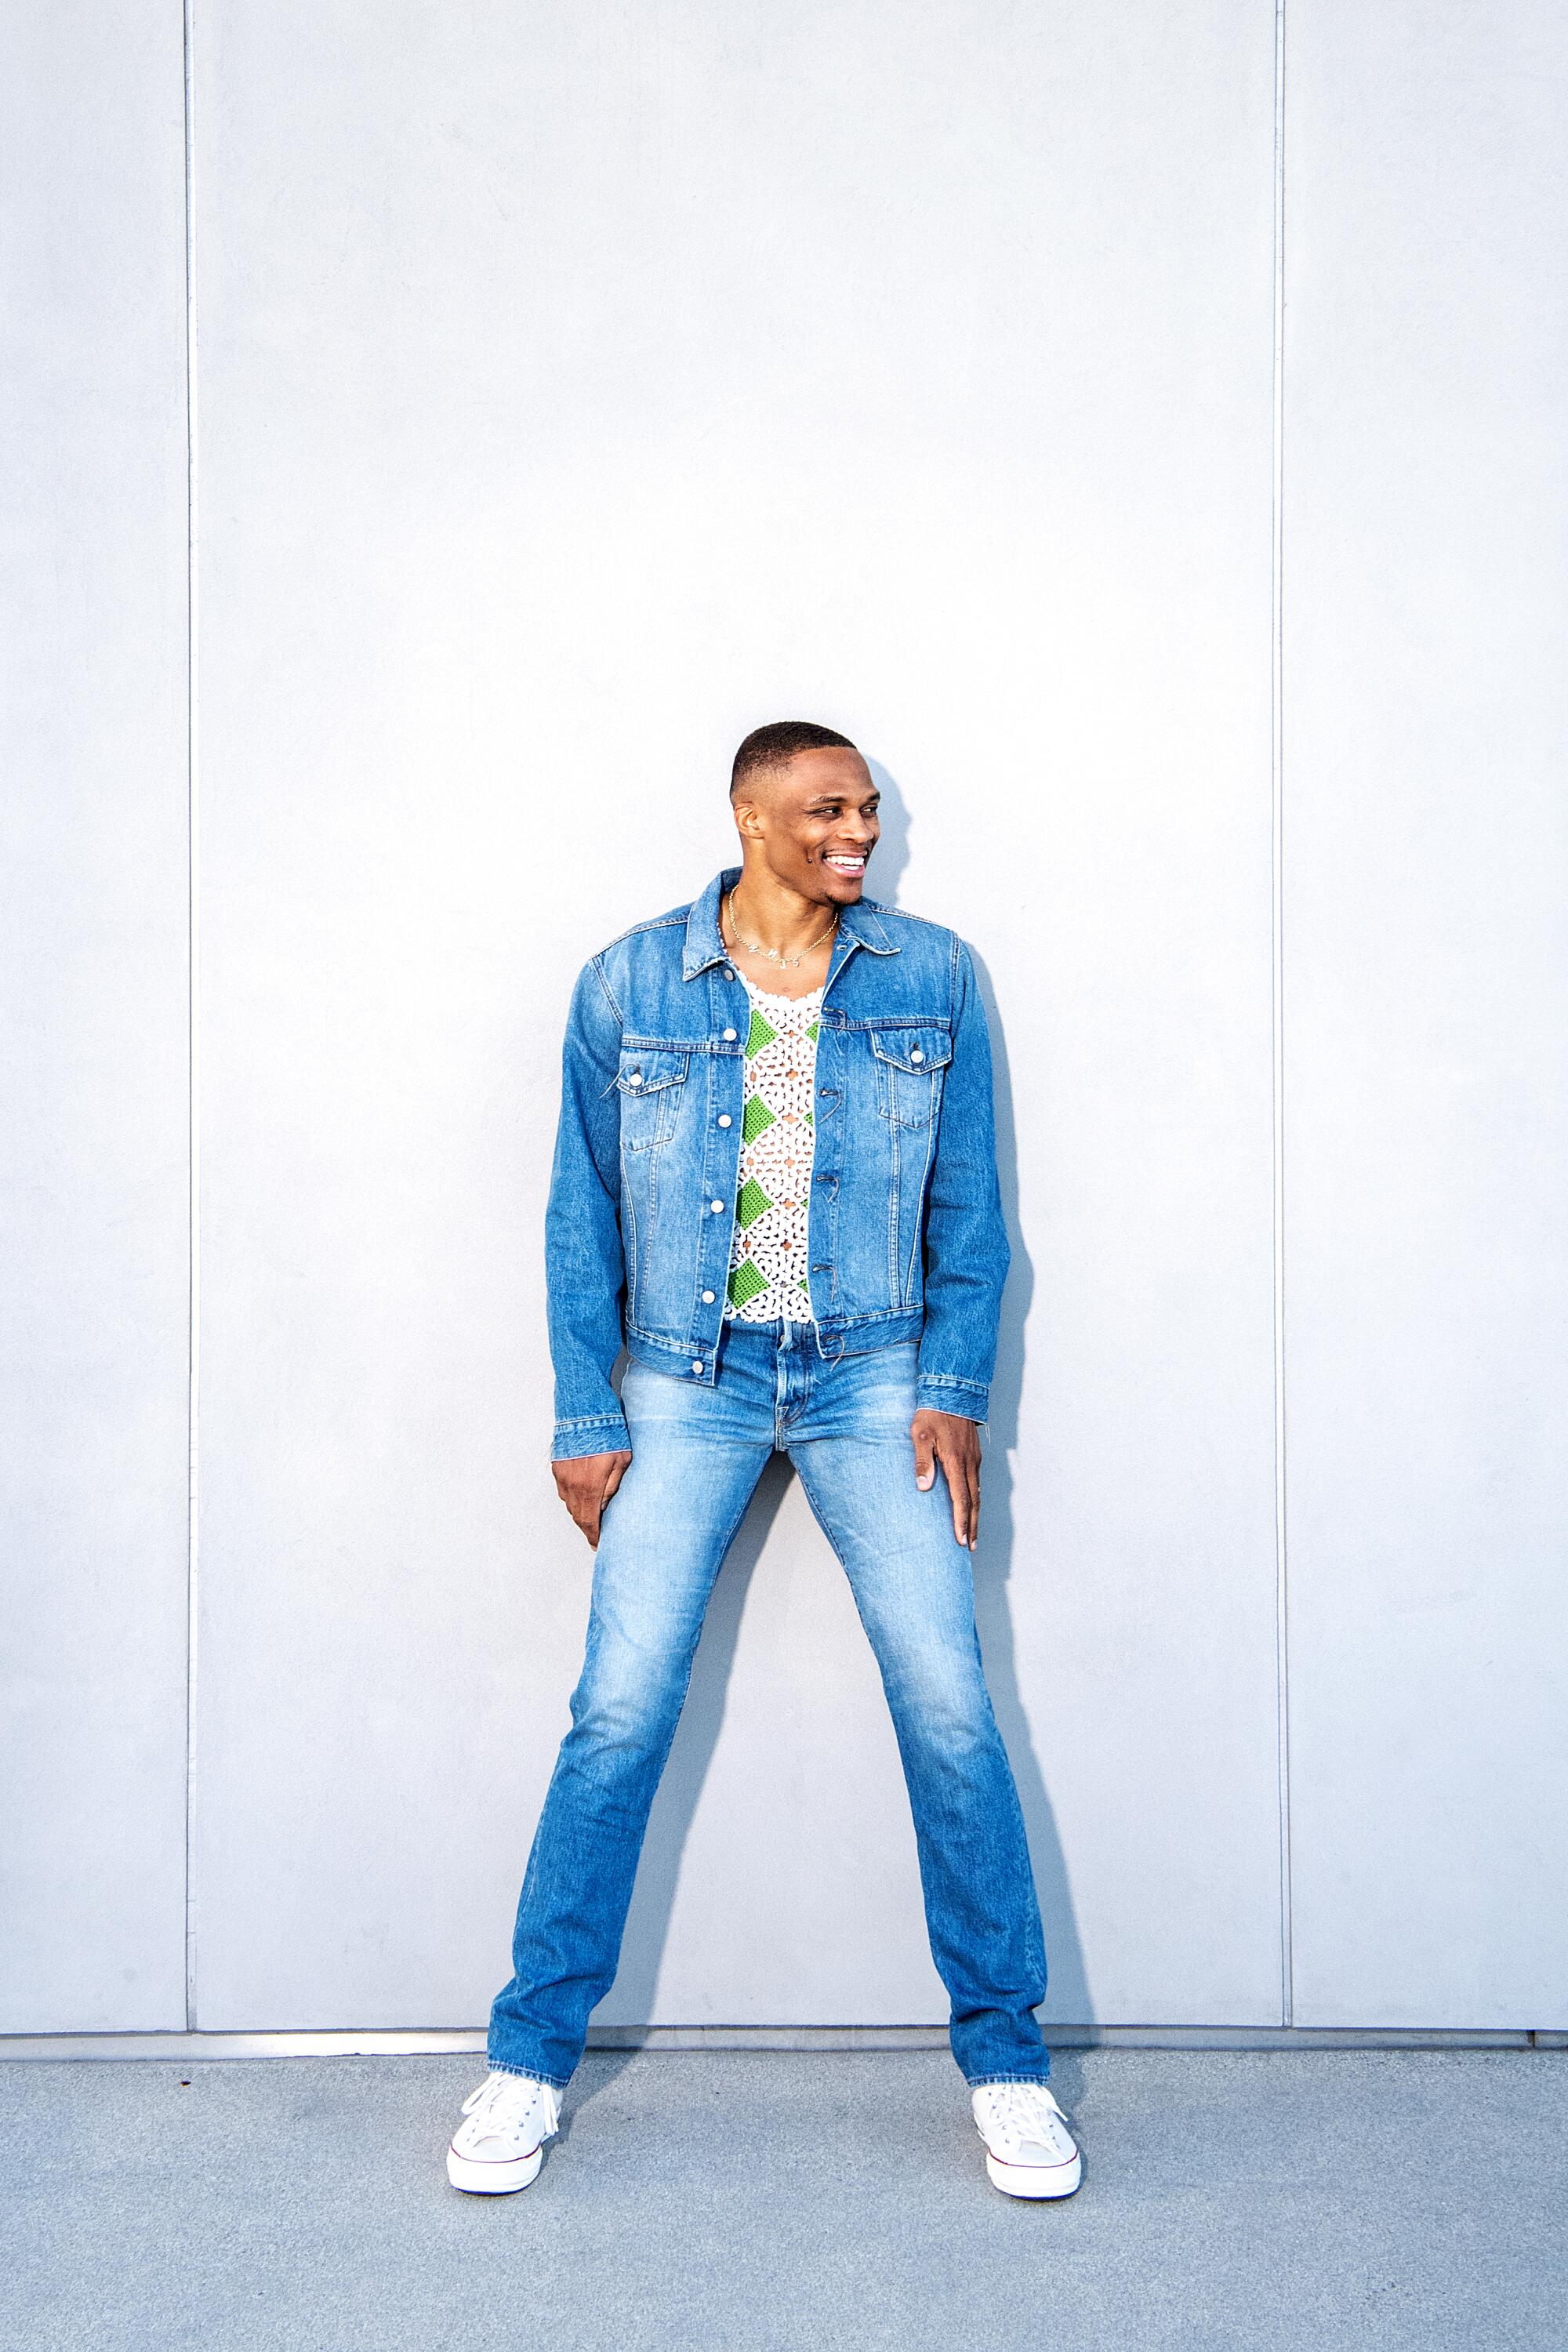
x,y
574,389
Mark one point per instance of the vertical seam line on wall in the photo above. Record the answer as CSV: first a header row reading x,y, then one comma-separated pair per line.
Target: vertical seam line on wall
x,y
1276,776
192,967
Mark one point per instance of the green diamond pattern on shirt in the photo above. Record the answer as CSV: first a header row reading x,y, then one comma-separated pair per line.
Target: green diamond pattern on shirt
x,y
770,1239
746,1283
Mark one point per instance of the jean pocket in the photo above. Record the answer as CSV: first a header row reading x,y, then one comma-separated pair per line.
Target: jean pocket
x,y
650,1081
910,1063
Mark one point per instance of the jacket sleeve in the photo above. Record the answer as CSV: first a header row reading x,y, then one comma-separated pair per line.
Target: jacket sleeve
x,y
966,1251
583,1258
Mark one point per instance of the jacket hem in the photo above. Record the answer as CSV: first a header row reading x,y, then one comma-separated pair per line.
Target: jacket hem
x,y
604,1433
968,1398
661,1352
854,1335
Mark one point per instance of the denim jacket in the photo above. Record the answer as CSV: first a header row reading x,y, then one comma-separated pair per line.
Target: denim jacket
x,y
906,1234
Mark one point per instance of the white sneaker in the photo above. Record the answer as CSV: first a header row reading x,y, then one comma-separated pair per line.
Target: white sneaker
x,y
1029,2151
500,2144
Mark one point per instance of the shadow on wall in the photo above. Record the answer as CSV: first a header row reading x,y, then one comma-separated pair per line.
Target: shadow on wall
x,y
703,1719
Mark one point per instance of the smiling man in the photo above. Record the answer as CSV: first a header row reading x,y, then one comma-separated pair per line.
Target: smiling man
x,y
776,1188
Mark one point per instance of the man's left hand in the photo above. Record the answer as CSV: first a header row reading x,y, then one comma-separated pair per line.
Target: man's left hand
x,y
948,1438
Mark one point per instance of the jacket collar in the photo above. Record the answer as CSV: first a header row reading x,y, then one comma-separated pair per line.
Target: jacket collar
x,y
858,926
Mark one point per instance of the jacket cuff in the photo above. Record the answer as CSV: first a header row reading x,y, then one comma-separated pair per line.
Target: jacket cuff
x,y
606,1432
969,1398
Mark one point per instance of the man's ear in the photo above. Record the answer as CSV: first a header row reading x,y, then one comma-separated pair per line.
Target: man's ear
x,y
747,819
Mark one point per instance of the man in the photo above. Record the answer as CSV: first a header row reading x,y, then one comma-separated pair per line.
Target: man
x,y
775,1187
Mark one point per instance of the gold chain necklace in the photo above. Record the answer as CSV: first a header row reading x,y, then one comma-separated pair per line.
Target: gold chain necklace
x,y
753,947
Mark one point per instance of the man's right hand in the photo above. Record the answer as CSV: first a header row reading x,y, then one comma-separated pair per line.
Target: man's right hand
x,y
585,1485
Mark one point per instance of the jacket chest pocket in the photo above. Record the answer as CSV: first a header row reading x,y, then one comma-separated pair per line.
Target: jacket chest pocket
x,y
648,1082
909,1064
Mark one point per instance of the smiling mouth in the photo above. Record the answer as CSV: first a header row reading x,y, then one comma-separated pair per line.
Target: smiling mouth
x,y
843,864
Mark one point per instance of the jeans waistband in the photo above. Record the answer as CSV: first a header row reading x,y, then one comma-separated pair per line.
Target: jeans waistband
x,y
776,1334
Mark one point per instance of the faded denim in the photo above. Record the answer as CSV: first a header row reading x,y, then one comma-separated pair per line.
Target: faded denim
x,y
697,1450
907,1240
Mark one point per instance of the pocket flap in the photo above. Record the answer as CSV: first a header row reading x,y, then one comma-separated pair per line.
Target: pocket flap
x,y
644,1068
915,1050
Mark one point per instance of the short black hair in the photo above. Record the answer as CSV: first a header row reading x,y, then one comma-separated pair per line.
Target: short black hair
x,y
771,746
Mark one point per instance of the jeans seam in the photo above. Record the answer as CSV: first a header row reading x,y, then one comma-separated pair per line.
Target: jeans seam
x,y
832,1544
1034,1933
529,2074
559,2082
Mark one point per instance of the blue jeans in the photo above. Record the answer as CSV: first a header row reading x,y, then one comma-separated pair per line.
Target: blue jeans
x,y
697,1454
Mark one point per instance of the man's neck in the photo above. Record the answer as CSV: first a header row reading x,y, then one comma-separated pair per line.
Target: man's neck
x,y
768,914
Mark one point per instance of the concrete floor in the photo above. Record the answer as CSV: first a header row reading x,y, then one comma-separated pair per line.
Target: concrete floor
x,y
1262,2202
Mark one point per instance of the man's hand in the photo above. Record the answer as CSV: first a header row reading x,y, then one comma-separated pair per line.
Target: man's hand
x,y
586,1484
948,1438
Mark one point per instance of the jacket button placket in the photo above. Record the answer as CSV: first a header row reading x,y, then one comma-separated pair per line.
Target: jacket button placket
x,y
721,1156
821,1215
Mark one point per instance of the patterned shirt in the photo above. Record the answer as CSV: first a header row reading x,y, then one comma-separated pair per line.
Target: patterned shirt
x,y
768,1269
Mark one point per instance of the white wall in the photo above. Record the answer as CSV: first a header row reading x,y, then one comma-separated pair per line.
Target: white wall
x,y
93,1024
1427,1009
577,389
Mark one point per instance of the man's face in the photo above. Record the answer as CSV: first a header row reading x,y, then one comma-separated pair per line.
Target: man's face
x,y
814,820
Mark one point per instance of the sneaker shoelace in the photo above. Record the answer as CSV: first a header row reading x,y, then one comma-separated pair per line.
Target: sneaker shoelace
x,y
1026,2111
510,2107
